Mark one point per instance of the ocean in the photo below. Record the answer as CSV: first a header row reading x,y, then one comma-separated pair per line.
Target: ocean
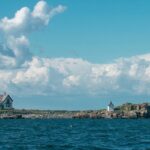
x,y
75,134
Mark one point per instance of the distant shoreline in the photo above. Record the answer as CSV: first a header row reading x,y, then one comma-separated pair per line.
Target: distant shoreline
x,y
127,110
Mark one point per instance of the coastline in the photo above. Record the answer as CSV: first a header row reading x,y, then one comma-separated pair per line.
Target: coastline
x,y
125,111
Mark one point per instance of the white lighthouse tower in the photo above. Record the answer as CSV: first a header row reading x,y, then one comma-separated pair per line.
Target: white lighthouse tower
x,y
110,106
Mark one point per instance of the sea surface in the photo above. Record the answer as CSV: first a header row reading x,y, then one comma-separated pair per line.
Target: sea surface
x,y
75,134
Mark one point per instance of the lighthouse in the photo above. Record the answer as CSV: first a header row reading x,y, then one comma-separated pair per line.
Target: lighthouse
x,y
110,106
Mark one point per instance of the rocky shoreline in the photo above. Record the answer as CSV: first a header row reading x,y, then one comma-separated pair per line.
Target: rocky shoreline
x,y
128,110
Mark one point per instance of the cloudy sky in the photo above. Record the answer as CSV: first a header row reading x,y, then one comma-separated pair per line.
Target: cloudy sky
x,y
74,54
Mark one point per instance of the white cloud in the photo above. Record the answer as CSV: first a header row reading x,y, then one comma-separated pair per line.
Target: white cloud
x,y
67,76
23,73
16,29
26,20
71,81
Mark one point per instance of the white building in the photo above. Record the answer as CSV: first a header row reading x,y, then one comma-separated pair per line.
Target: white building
x,y
110,106
6,101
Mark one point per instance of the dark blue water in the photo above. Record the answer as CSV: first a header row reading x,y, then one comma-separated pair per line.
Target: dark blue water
x,y
69,134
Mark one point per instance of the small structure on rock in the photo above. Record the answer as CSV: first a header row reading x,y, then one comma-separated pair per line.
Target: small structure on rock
x,y
6,101
110,106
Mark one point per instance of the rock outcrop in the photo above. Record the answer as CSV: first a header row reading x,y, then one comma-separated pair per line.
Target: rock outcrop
x,y
127,110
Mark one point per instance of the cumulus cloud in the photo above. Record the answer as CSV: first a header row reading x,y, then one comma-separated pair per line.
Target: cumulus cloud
x,y
15,30
21,71
67,76
26,21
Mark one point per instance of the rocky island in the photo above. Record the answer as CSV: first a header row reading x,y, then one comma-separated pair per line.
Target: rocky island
x,y
127,110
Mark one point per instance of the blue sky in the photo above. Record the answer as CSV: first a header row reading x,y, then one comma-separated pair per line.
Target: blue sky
x,y
98,32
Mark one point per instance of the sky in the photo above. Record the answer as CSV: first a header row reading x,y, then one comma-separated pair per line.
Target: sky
x,y
75,54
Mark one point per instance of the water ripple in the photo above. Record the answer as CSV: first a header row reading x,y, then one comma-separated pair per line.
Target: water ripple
x,y
69,134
